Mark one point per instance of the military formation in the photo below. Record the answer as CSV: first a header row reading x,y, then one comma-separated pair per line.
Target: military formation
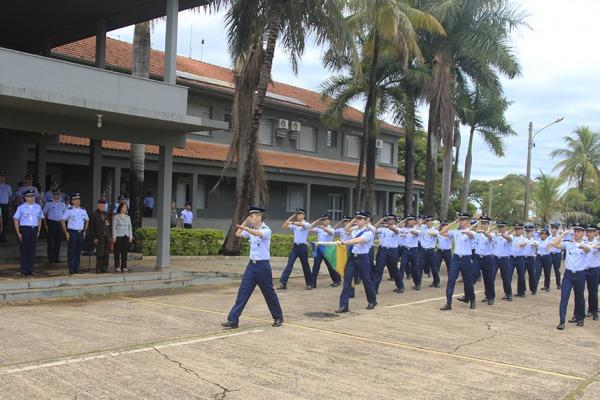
x,y
414,248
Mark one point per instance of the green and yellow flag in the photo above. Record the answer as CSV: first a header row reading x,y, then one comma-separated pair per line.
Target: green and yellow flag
x,y
337,256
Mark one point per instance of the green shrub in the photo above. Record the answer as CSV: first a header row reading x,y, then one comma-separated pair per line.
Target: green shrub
x,y
184,242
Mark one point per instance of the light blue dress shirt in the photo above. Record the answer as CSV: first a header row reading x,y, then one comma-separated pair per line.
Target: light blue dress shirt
x,y
411,239
554,249
501,246
544,246
483,245
300,232
576,258
28,214
463,244
515,249
387,238
322,235
259,246
529,250
187,216
75,218
443,242
427,241
5,193
342,234
367,236
54,210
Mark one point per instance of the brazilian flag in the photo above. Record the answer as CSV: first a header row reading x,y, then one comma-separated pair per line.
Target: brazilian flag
x,y
336,255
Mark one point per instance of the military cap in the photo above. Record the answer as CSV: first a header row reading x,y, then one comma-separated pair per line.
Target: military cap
x,y
255,209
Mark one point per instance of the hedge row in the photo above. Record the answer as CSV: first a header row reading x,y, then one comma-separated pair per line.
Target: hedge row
x,y
205,242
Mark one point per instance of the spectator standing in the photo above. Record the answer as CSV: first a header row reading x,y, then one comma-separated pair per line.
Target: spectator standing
x,y
187,216
122,235
5,196
100,230
174,216
148,205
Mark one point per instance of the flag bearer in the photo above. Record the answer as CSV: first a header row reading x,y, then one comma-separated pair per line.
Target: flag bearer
x,y
461,261
54,209
362,239
325,233
428,256
300,228
482,260
28,220
544,258
592,273
258,272
75,224
387,254
575,265
555,254
529,259
517,259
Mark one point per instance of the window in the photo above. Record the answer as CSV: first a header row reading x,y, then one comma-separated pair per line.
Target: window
x,y
385,154
332,138
183,190
228,117
336,206
295,198
353,147
201,111
307,139
265,132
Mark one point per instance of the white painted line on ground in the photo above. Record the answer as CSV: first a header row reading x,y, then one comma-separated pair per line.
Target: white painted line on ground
x,y
427,300
77,360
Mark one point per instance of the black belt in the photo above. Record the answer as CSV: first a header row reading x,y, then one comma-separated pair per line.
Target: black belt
x,y
75,230
389,248
28,226
258,261
358,255
299,244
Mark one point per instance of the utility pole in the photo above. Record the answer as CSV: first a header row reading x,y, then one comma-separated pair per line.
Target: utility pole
x,y
528,176
490,202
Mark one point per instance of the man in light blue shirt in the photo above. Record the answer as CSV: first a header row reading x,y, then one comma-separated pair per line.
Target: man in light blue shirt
x,y
517,257
258,272
148,205
410,258
556,253
592,273
54,210
26,187
444,248
387,254
74,224
482,260
461,260
325,232
529,259
28,220
300,228
5,196
428,255
543,259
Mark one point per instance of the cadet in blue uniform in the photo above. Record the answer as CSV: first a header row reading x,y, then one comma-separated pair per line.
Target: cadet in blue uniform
x,y
325,233
529,259
543,257
298,225
387,254
592,273
28,220
258,272
54,209
482,260
362,239
410,258
27,186
74,224
517,259
444,249
428,256
461,261
556,254
574,278
5,196
501,251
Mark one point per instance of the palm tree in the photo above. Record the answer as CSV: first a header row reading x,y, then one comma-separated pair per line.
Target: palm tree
x,y
476,45
580,158
482,110
141,69
254,29
547,197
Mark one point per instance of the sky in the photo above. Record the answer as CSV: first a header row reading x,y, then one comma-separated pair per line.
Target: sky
x,y
558,55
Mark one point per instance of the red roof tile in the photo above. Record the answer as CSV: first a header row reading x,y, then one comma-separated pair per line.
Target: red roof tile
x,y
118,54
218,152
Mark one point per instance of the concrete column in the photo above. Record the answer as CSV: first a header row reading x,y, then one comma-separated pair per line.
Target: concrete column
x,y
195,199
101,44
40,164
387,201
117,188
171,41
163,205
350,201
95,172
308,194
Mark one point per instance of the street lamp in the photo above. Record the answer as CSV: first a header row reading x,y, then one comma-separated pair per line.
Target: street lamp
x,y
528,177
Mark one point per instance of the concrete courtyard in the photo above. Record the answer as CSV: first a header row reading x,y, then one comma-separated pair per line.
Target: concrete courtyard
x,y
169,345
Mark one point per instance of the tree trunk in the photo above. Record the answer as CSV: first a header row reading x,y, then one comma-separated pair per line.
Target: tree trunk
x,y
359,196
430,168
457,145
370,128
141,69
467,177
409,156
251,181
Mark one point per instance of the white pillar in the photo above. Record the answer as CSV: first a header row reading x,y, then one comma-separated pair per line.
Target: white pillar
x,y
308,194
163,204
95,165
117,188
40,161
171,41
387,202
350,201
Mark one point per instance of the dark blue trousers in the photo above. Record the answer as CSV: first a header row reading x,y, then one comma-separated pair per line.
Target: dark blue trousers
x,y
446,256
410,260
529,262
400,275
460,264
27,248
74,247
360,263
257,273
575,281
428,259
298,251
518,263
54,240
506,273
592,277
485,266
544,264
556,260
335,277
386,257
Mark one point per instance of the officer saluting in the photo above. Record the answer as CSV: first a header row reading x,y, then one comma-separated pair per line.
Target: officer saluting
x,y
298,225
54,209
258,272
75,223
362,239
27,220
574,277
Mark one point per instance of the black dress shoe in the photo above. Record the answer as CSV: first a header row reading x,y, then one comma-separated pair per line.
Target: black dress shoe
x,y
334,284
533,293
308,287
390,279
505,297
595,316
437,285
472,304
230,324
485,299
342,310
352,296
580,323
282,287
490,302
561,326
558,286
371,306
23,275
510,298
446,307
396,290
573,320
588,315
463,299
432,285
277,322
417,287
401,290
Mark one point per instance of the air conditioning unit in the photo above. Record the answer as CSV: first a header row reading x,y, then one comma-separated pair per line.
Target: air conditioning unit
x,y
296,126
379,144
294,135
283,125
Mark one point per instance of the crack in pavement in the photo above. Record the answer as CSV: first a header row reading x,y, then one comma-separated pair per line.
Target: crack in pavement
x,y
460,346
218,396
